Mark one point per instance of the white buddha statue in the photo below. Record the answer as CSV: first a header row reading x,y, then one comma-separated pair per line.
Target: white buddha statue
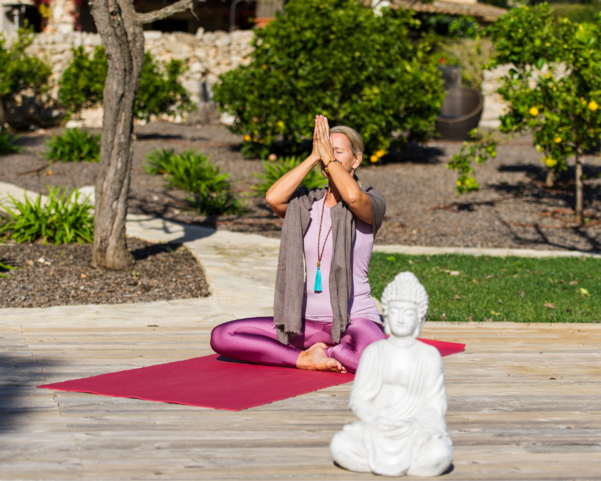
x,y
398,395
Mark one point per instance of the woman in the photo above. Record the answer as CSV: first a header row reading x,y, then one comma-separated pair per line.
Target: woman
x,y
327,325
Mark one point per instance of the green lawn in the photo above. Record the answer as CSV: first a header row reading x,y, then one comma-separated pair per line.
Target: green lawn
x,y
518,289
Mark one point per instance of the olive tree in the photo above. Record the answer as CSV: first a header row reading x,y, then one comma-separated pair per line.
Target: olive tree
x,y
121,30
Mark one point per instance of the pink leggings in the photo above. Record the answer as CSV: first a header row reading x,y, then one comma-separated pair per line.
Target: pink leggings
x,y
254,340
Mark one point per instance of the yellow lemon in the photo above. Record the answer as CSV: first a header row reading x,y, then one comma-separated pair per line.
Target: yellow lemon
x,y
593,106
554,89
247,137
458,182
493,154
539,149
265,66
548,75
550,162
533,111
380,153
373,158
558,140
281,125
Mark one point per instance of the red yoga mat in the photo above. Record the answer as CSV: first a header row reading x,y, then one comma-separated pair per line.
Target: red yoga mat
x,y
216,382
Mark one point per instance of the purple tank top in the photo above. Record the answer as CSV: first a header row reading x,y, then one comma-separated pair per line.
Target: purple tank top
x,y
317,306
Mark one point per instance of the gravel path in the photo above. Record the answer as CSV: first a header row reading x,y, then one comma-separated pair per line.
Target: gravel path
x,y
414,185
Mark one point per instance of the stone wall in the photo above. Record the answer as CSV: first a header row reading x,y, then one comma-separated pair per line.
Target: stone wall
x,y
207,54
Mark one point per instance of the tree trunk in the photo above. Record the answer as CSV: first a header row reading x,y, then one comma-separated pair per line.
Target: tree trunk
x,y
123,39
579,208
550,181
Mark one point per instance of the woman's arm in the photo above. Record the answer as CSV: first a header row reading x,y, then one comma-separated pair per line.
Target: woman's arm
x,y
281,191
357,201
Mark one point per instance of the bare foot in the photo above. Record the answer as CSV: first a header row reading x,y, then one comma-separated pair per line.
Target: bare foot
x,y
316,359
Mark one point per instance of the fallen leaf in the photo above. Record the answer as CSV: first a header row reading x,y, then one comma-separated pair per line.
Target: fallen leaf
x,y
584,292
522,293
488,277
499,301
573,283
457,297
495,313
83,276
549,305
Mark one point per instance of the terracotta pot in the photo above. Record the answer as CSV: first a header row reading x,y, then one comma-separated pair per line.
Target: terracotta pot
x,y
262,21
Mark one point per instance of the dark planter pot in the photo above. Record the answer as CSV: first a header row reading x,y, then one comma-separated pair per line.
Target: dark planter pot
x,y
460,113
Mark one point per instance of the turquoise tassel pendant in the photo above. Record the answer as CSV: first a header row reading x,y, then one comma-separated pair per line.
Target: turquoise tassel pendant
x,y
317,287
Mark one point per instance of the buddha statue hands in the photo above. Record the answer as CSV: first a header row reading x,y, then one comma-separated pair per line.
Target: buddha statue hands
x,y
398,396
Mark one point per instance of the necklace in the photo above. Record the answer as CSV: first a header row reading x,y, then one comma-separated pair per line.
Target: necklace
x,y
317,288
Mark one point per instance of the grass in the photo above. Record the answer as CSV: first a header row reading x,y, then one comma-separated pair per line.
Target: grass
x,y
516,289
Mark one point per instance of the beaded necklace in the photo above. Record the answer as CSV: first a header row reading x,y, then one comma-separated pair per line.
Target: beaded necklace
x,y
318,288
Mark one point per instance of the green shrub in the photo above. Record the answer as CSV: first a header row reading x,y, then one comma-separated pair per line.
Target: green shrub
x,y
82,83
160,91
20,72
8,143
340,59
273,171
61,220
576,13
194,173
74,145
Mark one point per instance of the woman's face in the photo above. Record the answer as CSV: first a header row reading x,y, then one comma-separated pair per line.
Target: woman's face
x,y
344,153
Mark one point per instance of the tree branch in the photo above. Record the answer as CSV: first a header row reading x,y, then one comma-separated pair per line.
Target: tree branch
x,y
165,12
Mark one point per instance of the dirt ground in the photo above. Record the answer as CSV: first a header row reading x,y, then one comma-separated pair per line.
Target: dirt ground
x,y
49,275
512,209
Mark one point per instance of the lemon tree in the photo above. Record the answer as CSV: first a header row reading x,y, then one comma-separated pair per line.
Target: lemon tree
x,y
553,91
340,59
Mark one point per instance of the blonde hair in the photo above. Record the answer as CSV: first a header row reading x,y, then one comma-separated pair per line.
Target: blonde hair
x,y
353,137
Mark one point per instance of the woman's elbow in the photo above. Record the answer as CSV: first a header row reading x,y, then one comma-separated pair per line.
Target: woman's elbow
x,y
353,199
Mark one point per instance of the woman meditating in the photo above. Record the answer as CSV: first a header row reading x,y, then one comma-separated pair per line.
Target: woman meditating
x,y
324,316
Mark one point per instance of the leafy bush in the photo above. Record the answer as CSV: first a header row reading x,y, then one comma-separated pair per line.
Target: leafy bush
x,y
273,171
20,72
576,13
194,173
74,145
82,83
8,143
160,92
61,220
340,59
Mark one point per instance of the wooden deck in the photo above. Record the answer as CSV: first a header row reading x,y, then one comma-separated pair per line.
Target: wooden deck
x,y
524,403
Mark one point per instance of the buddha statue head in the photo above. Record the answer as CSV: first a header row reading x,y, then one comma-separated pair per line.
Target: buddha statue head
x,y
405,305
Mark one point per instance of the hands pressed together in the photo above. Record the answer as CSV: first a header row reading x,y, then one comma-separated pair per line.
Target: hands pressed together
x,y
322,145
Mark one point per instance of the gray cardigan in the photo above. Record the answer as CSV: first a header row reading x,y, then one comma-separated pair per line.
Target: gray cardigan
x,y
290,277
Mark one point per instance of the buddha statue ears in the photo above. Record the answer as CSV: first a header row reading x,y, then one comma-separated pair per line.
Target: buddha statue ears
x,y
405,305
